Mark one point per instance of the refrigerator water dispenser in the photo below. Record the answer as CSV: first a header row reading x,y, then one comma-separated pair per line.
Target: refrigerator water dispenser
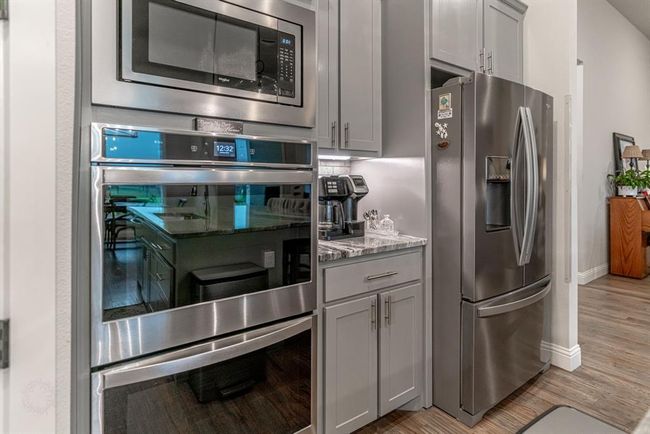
x,y
497,197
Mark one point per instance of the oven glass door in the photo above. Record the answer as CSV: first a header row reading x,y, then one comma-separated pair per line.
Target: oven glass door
x,y
209,46
257,382
170,238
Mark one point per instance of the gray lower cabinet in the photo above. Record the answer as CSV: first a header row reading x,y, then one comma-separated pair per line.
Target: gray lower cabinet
x,y
161,280
372,344
479,35
349,68
400,347
350,368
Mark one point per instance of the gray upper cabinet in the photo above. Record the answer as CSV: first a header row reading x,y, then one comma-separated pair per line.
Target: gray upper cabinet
x,y
349,68
503,35
327,122
360,69
350,369
400,347
455,32
479,35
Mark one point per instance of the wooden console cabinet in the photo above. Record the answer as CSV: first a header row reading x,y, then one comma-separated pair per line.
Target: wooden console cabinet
x,y
629,223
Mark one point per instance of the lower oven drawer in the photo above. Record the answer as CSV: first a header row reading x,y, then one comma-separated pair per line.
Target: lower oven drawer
x,y
259,381
501,345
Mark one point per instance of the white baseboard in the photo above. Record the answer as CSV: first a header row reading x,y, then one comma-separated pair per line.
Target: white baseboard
x,y
568,359
587,276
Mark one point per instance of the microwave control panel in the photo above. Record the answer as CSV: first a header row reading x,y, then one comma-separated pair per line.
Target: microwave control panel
x,y
287,65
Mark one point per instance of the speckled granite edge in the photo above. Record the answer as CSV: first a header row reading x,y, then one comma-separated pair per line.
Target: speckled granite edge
x,y
370,244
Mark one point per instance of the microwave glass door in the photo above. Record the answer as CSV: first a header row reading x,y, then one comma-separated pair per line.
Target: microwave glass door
x,y
211,46
170,245
257,382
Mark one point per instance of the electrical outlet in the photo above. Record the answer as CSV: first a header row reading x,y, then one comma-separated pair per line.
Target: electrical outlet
x,y
268,259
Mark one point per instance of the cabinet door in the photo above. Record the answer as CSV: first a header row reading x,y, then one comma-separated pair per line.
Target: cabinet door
x,y
360,69
455,32
328,74
144,274
503,33
161,281
350,365
400,343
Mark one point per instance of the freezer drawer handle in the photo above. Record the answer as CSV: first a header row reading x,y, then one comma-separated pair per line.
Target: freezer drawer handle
x,y
382,275
515,305
203,354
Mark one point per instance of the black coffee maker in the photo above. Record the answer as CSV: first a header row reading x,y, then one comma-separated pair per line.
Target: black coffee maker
x,y
338,200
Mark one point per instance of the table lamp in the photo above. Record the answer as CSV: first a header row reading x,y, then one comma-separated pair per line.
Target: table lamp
x,y
633,153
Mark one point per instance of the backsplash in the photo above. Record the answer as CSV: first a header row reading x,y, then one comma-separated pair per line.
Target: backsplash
x,y
334,167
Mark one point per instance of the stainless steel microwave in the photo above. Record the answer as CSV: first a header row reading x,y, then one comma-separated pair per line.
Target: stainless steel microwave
x,y
248,60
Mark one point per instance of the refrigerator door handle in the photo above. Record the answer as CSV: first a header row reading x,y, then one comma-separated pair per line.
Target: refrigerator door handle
x,y
532,186
517,234
544,286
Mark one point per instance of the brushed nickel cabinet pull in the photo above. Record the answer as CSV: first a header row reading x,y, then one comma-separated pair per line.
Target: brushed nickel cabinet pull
x,y
334,134
373,315
347,134
387,310
382,275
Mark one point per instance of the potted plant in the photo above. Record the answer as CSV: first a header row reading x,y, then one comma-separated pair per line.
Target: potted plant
x,y
630,181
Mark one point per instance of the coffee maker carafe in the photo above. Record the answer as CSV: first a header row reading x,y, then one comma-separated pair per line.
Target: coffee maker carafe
x,y
337,204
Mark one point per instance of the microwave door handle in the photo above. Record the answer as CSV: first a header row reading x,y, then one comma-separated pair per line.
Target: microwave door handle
x,y
202,355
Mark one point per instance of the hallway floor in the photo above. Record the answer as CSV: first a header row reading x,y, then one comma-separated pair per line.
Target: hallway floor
x,y
613,383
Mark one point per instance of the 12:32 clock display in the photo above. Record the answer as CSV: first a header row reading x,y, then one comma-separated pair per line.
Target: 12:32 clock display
x,y
225,150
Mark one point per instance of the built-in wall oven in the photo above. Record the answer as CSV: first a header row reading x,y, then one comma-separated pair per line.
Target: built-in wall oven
x,y
191,235
238,59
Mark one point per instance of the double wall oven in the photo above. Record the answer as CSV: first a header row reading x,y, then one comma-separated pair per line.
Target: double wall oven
x,y
202,282
248,60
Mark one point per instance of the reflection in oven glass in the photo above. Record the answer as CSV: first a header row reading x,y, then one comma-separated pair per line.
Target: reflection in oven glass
x,y
167,246
267,391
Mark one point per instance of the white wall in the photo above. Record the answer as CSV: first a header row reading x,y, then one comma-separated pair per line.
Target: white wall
x,y
4,299
616,60
39,83
550,56
65,102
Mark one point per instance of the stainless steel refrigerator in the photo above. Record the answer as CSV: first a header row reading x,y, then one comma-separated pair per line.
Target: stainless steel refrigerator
x,y
492,189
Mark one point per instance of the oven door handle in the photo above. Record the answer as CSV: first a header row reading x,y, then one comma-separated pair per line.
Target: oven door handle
x,y
195,176
201,355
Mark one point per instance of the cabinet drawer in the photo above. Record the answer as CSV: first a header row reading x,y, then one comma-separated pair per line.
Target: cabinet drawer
x,y
354,279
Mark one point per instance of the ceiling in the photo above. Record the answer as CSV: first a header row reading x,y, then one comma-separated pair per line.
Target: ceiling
x,y
636,11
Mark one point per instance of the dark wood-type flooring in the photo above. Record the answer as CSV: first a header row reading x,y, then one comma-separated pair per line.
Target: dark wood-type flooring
x,y
613,383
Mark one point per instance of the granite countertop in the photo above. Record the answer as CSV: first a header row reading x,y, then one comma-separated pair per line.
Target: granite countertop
x,y
361,246
174,221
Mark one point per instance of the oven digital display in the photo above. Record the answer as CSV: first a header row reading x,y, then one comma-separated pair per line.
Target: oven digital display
x,y
225,150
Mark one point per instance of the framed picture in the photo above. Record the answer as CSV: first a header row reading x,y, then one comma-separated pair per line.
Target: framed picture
x,y
620,142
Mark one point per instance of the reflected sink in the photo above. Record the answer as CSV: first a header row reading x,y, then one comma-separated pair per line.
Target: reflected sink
x,y
178,216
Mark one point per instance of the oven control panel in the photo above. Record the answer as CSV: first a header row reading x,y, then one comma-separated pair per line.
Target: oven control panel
x,y
150,146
